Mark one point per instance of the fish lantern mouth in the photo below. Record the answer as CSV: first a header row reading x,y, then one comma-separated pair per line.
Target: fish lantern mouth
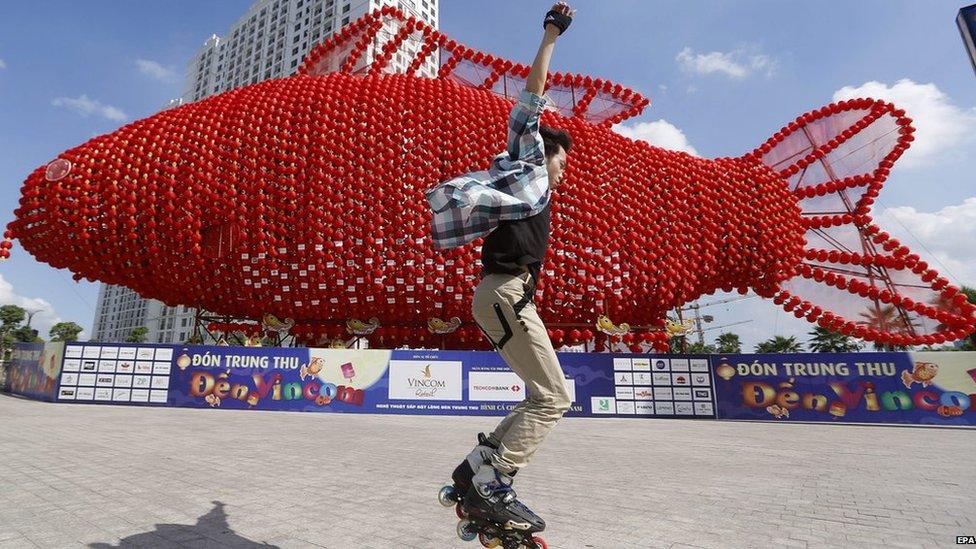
x,y
57,169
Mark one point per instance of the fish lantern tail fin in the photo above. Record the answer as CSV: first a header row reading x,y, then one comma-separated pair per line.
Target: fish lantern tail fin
x,y
854,278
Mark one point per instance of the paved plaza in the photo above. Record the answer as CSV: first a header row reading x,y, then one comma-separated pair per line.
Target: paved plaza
x,y
112,476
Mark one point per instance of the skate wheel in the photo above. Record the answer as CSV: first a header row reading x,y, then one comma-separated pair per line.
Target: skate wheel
x,y
465,530
487,541
447,496
460,512
540,543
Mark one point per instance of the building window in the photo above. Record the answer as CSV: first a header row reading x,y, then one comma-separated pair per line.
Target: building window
x,y
345,9
294,63
345,21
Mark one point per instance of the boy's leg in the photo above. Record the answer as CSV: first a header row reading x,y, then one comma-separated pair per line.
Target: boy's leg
x,y
503,308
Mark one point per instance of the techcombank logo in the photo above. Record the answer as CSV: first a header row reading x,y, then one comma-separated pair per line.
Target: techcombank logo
x,y
425,380
495,387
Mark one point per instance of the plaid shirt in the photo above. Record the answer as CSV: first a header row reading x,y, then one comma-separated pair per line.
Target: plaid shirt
x,y
516,185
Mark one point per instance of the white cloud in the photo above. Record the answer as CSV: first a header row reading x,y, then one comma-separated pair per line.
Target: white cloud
x,y
3,64
948,235
738,63
85,106
45,318
155,70
939,124
660,133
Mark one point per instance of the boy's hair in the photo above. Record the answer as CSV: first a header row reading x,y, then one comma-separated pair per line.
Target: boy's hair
x,y
554,138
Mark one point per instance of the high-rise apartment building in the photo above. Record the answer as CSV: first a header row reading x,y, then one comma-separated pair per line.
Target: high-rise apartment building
x,y
269,41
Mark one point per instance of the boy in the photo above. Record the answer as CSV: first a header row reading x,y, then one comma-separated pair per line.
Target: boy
x,y
513,211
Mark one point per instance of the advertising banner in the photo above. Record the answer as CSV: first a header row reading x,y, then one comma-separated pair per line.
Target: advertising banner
x,y
298,379
430,382
115,373
34,369
920,388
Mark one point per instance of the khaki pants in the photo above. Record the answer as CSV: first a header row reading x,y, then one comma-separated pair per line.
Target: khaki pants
x,y
504,310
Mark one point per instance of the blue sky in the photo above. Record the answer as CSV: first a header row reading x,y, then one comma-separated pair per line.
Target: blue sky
x,y
722,76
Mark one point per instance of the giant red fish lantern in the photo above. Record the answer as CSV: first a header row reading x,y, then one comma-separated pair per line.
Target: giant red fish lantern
x,y
303,197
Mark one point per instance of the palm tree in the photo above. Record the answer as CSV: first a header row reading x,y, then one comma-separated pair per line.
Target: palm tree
x,y
826,341
728,343
780,344
885,319
697,348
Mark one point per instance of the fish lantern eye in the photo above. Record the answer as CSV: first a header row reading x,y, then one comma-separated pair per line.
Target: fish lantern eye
x,y
57,169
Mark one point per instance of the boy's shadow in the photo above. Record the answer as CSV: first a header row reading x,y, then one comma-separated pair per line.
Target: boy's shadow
x,y
210,527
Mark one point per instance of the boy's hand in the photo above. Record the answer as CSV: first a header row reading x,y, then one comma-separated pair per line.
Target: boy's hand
x,y
559,17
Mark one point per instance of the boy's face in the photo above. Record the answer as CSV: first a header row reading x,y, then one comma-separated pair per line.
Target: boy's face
x,y
556,166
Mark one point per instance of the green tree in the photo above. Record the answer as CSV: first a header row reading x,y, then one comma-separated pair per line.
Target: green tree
x,y
10,318
827,341
26,334
138,335
12,315
65,331
780,344
728,343
970,293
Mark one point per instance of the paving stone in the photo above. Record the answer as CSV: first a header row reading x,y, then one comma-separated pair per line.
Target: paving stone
x,y
110,476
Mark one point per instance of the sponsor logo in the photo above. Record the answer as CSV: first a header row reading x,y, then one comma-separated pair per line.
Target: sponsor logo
x,y
662,379
684,408
703,394
699,379
86,393
660,365
680,379
624,393
699,365
105,380
67,393
603,405
88,366
495,386
664,408
642,378
624,378
644,408
622,364
682,393
419,380
704,409
643,364
643,393
626,408
663,393
679,365
86,379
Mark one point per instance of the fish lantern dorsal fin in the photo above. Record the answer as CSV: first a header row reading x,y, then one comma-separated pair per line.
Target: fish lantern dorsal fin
x,y
433,55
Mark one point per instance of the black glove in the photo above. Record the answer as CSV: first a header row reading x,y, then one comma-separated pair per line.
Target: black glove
x,y
560,20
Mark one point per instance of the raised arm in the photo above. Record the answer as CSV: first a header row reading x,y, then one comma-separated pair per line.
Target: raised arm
x,y
557,21
524,141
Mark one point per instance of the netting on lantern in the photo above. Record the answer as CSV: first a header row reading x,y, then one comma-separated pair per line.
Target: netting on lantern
x,y
413,47
855,278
